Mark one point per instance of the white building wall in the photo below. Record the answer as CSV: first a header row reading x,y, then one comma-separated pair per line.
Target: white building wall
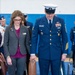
x,y
36,6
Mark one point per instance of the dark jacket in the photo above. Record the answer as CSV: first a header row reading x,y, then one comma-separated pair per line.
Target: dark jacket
x,y
53,41
72,38
11,41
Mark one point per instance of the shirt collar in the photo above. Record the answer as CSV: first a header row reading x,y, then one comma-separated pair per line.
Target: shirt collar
x,y
49,21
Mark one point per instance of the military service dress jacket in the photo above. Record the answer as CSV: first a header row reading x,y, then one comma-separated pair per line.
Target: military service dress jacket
x,y
53,41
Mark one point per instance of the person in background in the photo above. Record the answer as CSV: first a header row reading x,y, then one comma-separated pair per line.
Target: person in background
x,y
29,25
16,43
0,20
53,41
2,30
2,59
3,22
72,38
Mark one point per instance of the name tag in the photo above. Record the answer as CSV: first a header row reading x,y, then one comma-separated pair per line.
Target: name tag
x,y
24,33
58,24
41,25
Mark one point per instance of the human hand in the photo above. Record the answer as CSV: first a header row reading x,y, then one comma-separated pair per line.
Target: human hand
x,y
9,61
63,57
32,57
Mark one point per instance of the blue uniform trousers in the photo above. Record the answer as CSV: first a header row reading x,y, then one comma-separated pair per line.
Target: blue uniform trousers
x,y
45,64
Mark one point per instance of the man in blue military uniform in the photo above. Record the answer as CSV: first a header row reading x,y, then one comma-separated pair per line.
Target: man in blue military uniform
x,y
53,41
72,38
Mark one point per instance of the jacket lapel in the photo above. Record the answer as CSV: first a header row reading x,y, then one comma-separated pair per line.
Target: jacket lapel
x,y
14,31
21,30
53,23
45,21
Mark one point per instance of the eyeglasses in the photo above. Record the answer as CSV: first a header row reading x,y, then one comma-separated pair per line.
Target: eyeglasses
x,y
17,19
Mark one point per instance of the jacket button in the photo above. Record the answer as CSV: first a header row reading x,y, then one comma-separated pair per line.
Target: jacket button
x,y
50,35
50,31
50,39
50,43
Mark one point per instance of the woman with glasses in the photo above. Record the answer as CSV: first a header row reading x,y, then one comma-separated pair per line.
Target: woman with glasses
x,y
16,42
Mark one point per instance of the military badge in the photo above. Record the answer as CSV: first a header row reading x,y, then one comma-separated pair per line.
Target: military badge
x,y
58,34
58,24
11,29
41,33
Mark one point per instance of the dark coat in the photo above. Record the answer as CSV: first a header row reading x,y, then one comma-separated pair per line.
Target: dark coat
x,y
11,41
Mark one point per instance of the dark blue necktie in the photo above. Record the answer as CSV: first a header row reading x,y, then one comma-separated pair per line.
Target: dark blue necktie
x,y
50,24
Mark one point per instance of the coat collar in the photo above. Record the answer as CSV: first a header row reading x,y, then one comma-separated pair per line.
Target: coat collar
x,y
54,21
46,22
